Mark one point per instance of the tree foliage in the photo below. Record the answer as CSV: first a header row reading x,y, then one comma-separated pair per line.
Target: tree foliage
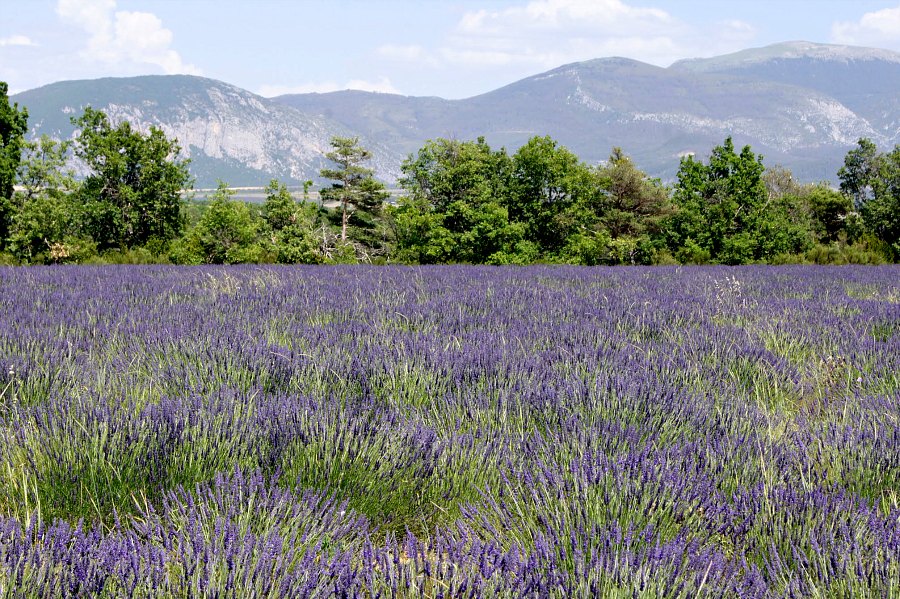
x,y
133,192
830,211
13,126
457,205
354,187
725,214
859,172
293,226
227,233
871,179
45,226
549,192
468,203
633,204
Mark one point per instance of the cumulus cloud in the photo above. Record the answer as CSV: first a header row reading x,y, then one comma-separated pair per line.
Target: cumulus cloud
x,y
16,40
546,33
382,85
123,38
580,17
878,28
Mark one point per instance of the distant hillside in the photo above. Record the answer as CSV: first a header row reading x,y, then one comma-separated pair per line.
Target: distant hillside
x,y
229,133
799,104
864,80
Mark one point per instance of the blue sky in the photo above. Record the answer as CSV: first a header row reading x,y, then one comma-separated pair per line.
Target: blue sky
x,y
452,48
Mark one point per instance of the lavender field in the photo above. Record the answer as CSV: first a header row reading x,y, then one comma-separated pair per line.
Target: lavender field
x,y
450,432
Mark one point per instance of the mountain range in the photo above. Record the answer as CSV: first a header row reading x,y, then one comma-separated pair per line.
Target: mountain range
x,y
801,105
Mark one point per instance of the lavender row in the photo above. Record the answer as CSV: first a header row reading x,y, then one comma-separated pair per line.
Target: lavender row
x,y
245,536
450,431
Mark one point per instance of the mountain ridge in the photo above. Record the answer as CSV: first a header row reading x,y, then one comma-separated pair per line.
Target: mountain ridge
x,y
799,104
228,132
792,50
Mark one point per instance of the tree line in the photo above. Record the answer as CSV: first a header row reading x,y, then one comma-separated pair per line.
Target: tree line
x,y
462,202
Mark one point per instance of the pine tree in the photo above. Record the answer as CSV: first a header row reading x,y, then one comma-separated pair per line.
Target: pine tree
x,y
353,187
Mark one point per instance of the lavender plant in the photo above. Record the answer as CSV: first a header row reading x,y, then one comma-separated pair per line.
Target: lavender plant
x,y
450,432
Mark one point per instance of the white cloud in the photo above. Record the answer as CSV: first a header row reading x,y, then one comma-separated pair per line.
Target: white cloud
x,y
585,17
16,40
878,28
382,85
542,34
92,15
550,32
545,33
123,38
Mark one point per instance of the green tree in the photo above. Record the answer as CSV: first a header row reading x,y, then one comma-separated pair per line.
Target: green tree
x,y
830,210
227,233
292,225
279,208
13,126
44,168
133,192
630,209
872,180
551,190
46,218
456,207
420,234
355,187
633,203
445,171
299,242
882,213
859,172
723,211
368,230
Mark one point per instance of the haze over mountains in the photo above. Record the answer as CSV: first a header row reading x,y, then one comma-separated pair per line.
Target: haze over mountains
x,y
801,105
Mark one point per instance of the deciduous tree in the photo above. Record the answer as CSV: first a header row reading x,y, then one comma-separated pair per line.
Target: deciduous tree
x,y
46,215
724,212
457,205
13,126
293,226
872,180
859,172
549,190
133,192
225,234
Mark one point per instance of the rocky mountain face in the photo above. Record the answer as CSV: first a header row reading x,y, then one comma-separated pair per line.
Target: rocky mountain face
x,y
801,105
798,104
861,83
228,133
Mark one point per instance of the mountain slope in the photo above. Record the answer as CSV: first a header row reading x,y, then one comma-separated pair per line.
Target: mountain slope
x,y
660,114
798,104
401,122
229,133
801,105
865,80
